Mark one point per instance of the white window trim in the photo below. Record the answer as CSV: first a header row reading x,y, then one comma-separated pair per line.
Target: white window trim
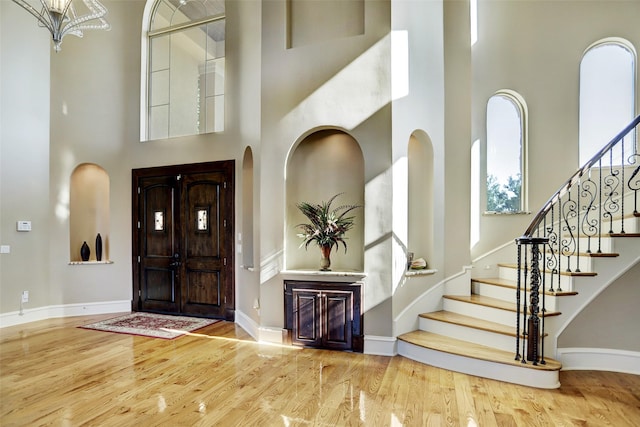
x,y
521,104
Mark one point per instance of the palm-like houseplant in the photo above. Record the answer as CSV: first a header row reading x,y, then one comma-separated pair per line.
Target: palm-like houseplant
x,y
327,226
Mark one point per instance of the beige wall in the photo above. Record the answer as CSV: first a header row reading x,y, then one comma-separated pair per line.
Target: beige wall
x,y
609,321
275,97
24,159
534,47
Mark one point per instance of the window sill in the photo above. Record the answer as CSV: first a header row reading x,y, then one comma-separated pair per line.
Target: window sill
x,y
492,213
425,272
89,262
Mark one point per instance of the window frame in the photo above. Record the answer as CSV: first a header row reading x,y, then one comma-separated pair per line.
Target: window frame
x,y
609,41
151,8
521,107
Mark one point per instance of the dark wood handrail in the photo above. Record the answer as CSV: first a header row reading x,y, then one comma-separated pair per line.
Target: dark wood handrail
x,y
574,178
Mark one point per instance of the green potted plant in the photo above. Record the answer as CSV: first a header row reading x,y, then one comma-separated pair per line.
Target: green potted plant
x,y
327,227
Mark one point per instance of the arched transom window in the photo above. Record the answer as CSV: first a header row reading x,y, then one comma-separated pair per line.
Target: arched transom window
x,y
186,68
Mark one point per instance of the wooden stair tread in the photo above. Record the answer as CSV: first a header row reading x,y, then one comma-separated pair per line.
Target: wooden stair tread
x,y
504,283
491,302
562,273
624,234
467,349
470,322
603,254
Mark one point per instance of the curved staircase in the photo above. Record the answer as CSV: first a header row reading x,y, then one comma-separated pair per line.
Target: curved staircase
x,y
488,331
476,333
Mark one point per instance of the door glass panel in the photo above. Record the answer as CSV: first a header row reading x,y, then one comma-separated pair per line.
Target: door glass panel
x,y
202,215
159,221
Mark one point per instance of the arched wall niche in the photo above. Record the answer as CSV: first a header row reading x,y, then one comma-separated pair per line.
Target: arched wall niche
x,y
88,211
420,200
322,164
247,209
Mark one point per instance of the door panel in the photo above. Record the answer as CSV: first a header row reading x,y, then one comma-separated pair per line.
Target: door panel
x,y
306,318
183,239
338,323
158,247
205,254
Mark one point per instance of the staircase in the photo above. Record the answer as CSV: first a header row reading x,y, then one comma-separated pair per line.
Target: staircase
x,y
490,331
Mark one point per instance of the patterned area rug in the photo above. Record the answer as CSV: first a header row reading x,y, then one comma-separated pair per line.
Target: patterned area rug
x,y
151,325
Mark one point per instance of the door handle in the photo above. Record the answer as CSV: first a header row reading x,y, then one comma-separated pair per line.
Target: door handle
x,y
176,261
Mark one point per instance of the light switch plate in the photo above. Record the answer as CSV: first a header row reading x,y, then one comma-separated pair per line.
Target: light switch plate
x,y
23,226
5,249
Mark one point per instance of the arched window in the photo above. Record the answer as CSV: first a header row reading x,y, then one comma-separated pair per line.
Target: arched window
x,y
185,68
607,94
506,153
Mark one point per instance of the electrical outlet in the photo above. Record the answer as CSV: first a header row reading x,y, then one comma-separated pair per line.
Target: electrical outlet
x,y
25,296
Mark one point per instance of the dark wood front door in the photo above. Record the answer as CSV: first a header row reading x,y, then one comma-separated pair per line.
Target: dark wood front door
x,y
183,240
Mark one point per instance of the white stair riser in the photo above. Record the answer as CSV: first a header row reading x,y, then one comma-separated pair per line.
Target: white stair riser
x,y
478,336
482,312
631,225
583,244
606,245
566,282
508,294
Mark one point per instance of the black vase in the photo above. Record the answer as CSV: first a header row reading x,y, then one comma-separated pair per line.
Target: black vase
x,y
98,247
85,252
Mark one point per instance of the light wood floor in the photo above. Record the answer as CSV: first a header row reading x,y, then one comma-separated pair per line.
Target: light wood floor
x,y
53,373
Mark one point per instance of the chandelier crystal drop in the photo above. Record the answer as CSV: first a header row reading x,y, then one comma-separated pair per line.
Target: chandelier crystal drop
x,y
61,18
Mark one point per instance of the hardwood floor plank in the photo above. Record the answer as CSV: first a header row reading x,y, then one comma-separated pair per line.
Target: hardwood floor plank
x,y
54,373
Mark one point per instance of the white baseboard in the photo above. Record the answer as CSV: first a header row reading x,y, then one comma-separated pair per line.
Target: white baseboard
x,y
599,359
68,310
380,346
248,324
271,335
257,332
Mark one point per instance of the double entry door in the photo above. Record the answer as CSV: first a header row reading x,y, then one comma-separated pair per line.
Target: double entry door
x,y
183,240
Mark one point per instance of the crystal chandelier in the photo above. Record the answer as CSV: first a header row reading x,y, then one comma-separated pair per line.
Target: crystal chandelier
x,y
60,17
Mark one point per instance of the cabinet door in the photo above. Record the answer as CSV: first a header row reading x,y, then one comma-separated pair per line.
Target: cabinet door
x,y
307,318
337,307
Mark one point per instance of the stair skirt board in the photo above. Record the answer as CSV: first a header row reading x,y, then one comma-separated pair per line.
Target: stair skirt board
x,y
481,368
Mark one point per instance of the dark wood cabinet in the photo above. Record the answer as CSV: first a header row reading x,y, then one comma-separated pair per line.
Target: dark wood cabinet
x,y
324,315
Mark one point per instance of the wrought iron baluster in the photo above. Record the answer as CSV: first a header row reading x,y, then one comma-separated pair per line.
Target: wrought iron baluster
x,y
518,287
589,224
525,331
598,200
600,206
534,296
611,183
622,167
634,182
552,260
569,243
544,316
